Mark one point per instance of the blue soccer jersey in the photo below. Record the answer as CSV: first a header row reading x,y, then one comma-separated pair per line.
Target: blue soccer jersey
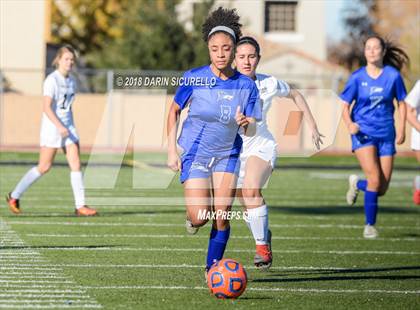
x,y
210,129
373,110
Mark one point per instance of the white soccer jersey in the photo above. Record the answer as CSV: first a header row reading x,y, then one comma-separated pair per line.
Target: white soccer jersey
x,y
262,144
413,99
269,87
62,91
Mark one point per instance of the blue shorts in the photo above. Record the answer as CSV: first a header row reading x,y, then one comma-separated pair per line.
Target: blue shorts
x,y
202,167
383,147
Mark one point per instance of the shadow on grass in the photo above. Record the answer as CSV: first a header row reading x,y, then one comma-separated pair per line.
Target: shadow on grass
x,y
342,278
34,214
344,275
330,210
254,298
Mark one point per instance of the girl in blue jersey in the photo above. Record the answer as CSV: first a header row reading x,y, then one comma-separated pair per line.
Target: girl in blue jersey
x,y
220,100
369,116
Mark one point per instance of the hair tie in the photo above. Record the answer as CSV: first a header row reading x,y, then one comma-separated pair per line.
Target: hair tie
x,y
224,29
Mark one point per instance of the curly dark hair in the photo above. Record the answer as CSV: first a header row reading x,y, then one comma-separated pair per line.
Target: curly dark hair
x,y
222,17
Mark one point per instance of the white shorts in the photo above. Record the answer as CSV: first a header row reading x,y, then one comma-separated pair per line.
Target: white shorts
x,y
264,148
415,140
50,136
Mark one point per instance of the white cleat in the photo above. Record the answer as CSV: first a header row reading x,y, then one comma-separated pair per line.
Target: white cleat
x,y
190,228
352,193
370,232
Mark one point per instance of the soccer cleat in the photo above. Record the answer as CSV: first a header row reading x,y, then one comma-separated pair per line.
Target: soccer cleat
x,y
370,232
190,228
352,193
263,258
13,204
416,197
86,211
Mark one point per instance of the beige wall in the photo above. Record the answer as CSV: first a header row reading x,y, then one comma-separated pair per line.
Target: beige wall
x,y
21,117
22,45
310,34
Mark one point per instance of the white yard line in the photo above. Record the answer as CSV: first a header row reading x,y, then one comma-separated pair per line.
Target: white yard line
x,y
337,226
206,237
16,256
283,251
291,290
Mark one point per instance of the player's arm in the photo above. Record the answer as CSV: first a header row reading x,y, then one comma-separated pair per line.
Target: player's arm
x,y
402,111
47,109
302,105
248,123
352,127
412,118
171,129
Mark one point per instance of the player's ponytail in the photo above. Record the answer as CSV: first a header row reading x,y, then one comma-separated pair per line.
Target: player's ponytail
x,y
61,51
394,55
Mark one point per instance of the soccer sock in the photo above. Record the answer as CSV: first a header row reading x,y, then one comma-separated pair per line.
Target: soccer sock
x,y
257,221
78,188
371,207
362,185
27,180
217,245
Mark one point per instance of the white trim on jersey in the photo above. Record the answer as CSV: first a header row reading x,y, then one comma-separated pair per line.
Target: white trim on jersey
x,y
413,100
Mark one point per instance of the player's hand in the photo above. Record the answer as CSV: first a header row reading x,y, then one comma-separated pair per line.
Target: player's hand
x,y
353,128
64,132
241,119
174,162
400,137
317,138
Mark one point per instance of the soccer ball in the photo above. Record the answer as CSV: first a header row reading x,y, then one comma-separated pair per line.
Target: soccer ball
x,y
227,279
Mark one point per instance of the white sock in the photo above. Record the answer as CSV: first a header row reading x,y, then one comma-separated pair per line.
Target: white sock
x,y
78,188
257,221
417,182
27,180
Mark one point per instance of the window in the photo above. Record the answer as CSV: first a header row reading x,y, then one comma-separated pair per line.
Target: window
x,y
280,16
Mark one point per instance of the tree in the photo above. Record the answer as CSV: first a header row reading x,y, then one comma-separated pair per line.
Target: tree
x,y
85,24
359,21
151,38
140,34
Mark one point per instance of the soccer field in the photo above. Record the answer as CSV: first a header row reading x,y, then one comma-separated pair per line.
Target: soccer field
x,y
140,257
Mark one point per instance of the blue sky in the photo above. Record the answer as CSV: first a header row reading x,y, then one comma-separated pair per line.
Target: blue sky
x,y
335,29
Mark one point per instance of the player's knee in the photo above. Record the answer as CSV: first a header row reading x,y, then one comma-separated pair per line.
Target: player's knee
x,y
44,168
251,196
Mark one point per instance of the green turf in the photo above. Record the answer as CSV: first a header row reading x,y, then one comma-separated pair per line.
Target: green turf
x,y
321,260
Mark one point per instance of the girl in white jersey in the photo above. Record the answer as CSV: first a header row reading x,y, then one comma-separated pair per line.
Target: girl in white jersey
x,y
259,152
57,131
413,117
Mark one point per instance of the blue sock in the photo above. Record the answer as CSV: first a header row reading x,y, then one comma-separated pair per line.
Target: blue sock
x,y
362,185
371,207
217,245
